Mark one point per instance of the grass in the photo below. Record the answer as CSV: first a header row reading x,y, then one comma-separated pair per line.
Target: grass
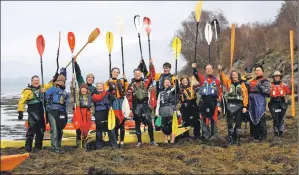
x,y
272,156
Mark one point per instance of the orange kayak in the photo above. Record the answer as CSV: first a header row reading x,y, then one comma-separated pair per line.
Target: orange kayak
x,y
8,163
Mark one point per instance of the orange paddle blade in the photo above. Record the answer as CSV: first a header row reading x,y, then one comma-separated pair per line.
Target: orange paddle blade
x,y
71,40
40,44
94,34
8,163
85,121
76,118
232,44
147,25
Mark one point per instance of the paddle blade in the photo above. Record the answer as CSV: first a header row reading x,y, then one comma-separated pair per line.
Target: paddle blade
x,y
174,123
120,25
147,25
111,119
94,34
109,41
176,46
215,25
40,44
9,163
232,44
198,11
126,108
71,40
137,23
76,118
153,98
208,33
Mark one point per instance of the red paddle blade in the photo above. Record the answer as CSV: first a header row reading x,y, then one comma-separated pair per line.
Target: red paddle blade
x,y
147,25
71,40
153,100
40,44
76,118
85,122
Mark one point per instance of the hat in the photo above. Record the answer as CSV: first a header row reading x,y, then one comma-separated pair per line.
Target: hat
x,y
277,73
84,85
260,66
90,74
61,78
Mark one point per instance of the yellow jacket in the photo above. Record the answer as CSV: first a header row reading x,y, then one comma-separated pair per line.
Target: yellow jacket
x,y
27,95
227,83
118,93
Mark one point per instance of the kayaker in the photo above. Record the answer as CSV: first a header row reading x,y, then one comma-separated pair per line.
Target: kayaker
x,y
102,100
278,105
237,103
84,102
210,101
57,101
32,96
259,89
189,109
159,77
138,98
120,87
166,108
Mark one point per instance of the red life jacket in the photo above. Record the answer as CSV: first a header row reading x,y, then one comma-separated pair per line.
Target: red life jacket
x,y
277,91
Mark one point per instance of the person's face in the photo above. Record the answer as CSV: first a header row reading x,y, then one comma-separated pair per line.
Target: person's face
x,y
90,79
277,78
137,74
35,82
100,87
166,70
115,73
258,71
209,69
184,82
166,83
83,91
235,77
247,74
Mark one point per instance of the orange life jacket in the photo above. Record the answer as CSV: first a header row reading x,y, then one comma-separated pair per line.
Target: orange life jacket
x,y
277,91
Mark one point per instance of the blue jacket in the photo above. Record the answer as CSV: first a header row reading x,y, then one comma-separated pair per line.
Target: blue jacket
x,y
56,99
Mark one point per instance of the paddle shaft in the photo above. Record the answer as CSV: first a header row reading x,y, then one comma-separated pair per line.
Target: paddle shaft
x,y
122,55
110,64
221,81
43,94
57,62
292,67
76,55
209,54
196,42
149,45
74,81
141,52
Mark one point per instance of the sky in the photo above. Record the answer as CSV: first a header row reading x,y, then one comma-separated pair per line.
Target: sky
x,y
22,22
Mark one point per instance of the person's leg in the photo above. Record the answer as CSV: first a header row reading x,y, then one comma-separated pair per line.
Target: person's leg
x,y
230,128
32,124
52,116
137,127
40,130
263,128
238,125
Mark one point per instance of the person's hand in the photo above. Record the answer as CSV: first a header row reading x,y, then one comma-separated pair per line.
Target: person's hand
x,y
20,116
219,67
42,90
110,80
244,110
151,61
75,58
220,109
193,65
131,114
55,77
124,76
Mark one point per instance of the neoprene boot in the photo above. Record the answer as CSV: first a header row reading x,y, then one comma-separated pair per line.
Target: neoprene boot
x,y
28,145
78,143
238,136
230,136
99,140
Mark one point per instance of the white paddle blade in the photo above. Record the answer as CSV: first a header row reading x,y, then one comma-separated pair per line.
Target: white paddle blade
x,y
120,25
137,23
216,34
208,33
126,108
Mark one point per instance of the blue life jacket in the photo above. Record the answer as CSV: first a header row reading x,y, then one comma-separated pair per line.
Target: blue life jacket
x,y
103,104
56,99
209,89
89,102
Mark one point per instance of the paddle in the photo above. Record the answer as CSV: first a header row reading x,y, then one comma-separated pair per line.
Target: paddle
x,y
57,62
111,119
40,44
208,36
120,24
109,43
137,24
292,66
216,26
148,28
232,45
93,35
197,18
176,47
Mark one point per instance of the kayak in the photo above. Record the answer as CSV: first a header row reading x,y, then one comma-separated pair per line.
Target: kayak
x,y
8,163
130,137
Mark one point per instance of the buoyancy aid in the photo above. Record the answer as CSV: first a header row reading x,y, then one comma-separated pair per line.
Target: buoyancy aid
x,y
57,99
103,104
140,92
85,103
36,95
160,83
277,91
186,94
235,92
209,89
167,98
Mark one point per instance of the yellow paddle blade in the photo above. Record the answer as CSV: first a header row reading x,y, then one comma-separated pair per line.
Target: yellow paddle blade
x,y
109,41
111,119
292,66
94,34
198,11
176,47
232,44
175,123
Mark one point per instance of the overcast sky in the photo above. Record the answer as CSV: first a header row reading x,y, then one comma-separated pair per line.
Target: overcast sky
x,y
22,22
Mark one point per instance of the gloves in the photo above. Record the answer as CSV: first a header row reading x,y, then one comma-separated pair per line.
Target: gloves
x,y
55,77
63,72
20,117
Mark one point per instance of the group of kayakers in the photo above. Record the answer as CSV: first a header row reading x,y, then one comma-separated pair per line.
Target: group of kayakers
x,y
243,99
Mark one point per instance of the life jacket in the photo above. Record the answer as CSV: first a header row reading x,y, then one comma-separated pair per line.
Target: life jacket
x,y
253,85
186,95
103,104
277,91
140,92
119,87
209,89
160,85
36,96
57,98
167,98
82,102
234,93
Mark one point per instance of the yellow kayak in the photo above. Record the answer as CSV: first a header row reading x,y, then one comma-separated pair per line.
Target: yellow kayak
x,y
130,137
8,163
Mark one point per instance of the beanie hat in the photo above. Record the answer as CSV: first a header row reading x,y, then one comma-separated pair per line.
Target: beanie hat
x,y
90,74
260,66
61,78
84,85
